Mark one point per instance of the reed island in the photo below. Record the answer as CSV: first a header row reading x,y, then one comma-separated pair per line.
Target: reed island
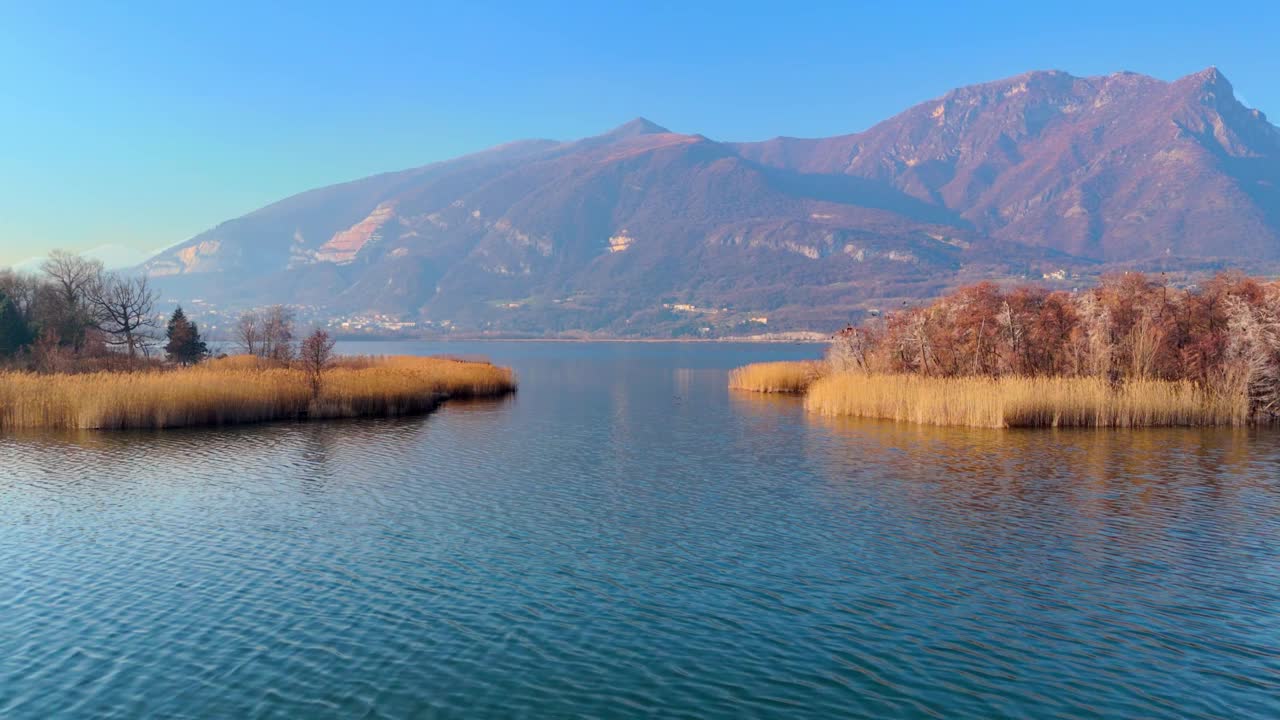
x,y
1134,351
242,389
84,349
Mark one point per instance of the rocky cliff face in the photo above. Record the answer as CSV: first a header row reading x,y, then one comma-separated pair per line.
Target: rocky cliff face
x,y
644,230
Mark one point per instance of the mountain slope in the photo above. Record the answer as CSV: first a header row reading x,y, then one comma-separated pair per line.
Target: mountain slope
x,y
625,231
1121,167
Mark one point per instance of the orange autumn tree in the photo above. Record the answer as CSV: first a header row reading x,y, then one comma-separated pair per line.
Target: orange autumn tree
x,y
1223,335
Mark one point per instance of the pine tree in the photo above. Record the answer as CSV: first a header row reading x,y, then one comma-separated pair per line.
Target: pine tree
x,y
185,345
14,332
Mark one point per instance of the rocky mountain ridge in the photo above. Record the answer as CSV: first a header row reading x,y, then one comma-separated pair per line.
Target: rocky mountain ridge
x,y
644,231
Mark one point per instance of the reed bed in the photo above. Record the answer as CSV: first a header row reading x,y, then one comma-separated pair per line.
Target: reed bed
x,y
242,389
777,377
1024,401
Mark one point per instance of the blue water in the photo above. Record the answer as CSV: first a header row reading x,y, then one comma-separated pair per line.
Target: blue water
x,y
627,538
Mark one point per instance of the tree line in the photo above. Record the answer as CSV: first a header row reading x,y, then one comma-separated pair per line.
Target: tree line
x,y
268,334
1223,335
74,313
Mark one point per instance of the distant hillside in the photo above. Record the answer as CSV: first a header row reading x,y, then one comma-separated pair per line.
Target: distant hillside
x,y
645,231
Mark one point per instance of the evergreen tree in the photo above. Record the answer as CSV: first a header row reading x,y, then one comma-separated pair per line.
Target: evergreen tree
x,y
14,332
185,345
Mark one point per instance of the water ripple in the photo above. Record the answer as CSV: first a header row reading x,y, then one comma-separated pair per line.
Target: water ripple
x,y
625,538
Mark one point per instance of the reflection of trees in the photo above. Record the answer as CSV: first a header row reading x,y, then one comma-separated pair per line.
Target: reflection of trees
x,y
1075,480
764,405
172,459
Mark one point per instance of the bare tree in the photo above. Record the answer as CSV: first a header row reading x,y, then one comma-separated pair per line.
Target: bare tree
x,y
315,354
277,333
72,274
848,351
267,333
1254,350
124,309
72,277
249,333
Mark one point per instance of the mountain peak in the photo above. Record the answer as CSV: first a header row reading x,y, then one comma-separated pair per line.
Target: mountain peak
x,y
1210,78
1210,74
638,126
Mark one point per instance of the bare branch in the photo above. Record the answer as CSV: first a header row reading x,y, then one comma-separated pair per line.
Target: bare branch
x,y
124,309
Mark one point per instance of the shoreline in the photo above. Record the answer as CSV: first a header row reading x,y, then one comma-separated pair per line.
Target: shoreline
x,y
723,341
998,403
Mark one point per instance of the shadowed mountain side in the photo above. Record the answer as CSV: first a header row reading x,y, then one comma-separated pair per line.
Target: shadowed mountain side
x,y
853,190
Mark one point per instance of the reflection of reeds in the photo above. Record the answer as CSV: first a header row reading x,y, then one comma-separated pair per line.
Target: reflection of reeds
x,y
777,377
240,390
1024,402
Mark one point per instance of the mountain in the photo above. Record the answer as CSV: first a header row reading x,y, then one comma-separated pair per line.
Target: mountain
x,y
642,230
1123,167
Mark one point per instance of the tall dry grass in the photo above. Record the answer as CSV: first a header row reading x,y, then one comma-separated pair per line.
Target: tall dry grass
x,y
777,377
241,389
1024,402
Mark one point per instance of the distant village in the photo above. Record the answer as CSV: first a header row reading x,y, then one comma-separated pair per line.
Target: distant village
x,y
220,322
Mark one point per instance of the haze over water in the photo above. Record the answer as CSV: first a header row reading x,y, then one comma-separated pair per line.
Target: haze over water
x,y
627,538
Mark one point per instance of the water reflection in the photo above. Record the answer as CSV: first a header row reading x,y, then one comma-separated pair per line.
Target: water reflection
x,y
1137,467
1104,545
625,537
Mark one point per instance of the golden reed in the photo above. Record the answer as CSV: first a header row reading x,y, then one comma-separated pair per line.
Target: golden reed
x,y
1024,401
242,389
777,377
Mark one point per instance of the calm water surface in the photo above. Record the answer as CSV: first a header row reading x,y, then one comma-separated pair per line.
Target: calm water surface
x,y
626,538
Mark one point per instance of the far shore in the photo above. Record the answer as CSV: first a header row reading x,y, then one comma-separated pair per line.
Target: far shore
x,y
816,339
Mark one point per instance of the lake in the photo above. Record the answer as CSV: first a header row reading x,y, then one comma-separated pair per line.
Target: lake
x,y
627,538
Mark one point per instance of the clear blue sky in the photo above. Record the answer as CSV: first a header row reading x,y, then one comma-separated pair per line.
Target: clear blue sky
x,y
141,124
